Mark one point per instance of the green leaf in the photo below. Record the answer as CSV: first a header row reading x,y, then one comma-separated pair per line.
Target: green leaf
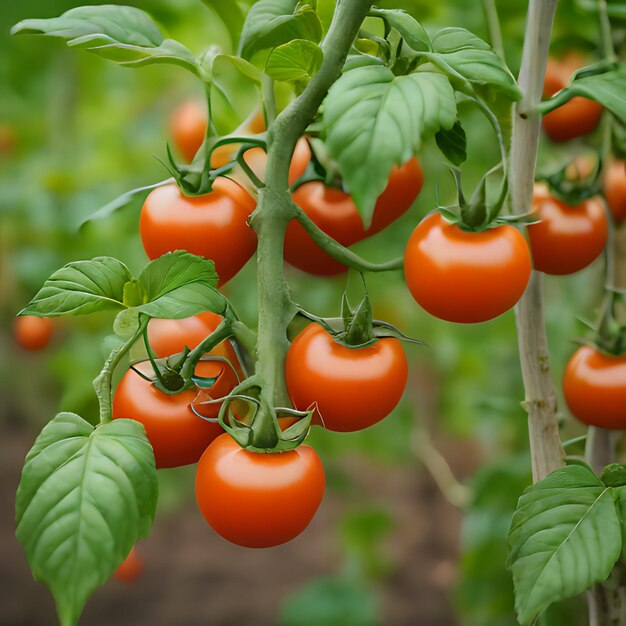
x,y
475,60
271,23
82,287
123,34
297,60
86,495
375,120
325,10
179,284
411,30
565,536
231,15
453,143
614,475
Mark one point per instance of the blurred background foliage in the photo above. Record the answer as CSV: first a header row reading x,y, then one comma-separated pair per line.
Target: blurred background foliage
x,y
77,131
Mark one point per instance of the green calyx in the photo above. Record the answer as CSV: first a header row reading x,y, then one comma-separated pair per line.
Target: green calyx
x,y
577,181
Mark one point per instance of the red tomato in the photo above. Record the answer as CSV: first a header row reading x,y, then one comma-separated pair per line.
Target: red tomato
x,y
463,276
258,500
131,567
214,225
178,436
256,158
31,332
353,387
594,385
568,238
575,118
615,189
335,213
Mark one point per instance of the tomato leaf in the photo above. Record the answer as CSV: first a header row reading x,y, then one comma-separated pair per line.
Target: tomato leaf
x,y
614,475
123,34
86,495
375,120
409,28
179,284
297,60
231,15
453,143
271,23
82,287
474,60
565,536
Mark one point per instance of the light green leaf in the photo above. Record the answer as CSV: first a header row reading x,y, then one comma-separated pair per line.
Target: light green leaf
x,y
123,34
565,536
82,287
297,60
231,15
86,495
325,10
375,120
475,60
411,30
608,89
271,23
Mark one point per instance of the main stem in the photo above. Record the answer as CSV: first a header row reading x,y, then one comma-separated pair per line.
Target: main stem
x,y
540,402
274,207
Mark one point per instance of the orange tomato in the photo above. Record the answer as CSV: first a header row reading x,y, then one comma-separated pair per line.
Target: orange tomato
x,y
594,385
615,189
214,225
131,567
31,332
463,276
568,238
575,118
258,500
353,387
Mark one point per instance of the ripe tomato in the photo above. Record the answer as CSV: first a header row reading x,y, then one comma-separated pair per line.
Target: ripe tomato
x,y
463,276
178,436
131,567
214,225
594,385
615,189
335,213
256,158
353,387
31,332
568,238
258,500
575,118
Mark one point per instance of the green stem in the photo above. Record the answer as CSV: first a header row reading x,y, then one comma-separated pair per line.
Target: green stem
x,y
222,332
493,27
606,36
245,336
103,382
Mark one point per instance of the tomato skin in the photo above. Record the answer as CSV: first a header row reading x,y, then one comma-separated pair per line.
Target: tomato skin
x,y
594,385
336,214
213,225
615,189
258,500
575,118
462,276
131,567
31,332
568,238
354,388
178,436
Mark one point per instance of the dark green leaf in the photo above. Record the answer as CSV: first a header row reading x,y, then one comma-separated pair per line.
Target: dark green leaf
x,y
126,35
411,30
86,495
297,60
565,536
271,23
614,475
452,142
474,60
375,120
82,287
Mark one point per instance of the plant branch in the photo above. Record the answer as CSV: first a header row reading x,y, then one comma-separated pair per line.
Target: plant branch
x,y
493,27
540,401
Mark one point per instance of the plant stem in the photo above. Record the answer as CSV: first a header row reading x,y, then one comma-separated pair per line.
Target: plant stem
x,y
540,401
274,208
493,27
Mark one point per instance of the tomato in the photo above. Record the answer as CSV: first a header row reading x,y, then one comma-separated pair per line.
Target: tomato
x,y
213,225
463,276
256,158
131,567
594,385
353,387
258,500
575,118
568,238
615,189
178,436
336,214
31,332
